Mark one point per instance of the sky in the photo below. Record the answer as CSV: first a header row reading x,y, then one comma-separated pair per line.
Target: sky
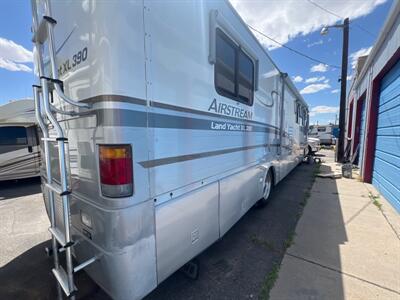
x,y
293,23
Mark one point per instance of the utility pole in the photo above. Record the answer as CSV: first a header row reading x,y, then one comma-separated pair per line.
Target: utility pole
x,y
343,82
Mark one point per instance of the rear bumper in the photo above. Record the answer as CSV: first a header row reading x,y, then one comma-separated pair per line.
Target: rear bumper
x,y
122,275
124,242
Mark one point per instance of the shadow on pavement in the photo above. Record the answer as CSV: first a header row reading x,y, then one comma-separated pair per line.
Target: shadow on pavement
x,y
235,267
312,266
27,276
19,188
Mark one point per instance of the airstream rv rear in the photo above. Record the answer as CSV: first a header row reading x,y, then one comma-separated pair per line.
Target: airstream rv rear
x,y
162,127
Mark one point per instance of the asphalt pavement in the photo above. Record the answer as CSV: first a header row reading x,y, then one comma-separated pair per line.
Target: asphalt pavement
x,y
241,265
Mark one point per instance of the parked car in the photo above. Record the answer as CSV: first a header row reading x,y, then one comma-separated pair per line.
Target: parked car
x,y
314,145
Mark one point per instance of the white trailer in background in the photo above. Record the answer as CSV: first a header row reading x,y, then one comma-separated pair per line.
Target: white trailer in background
x,y
19,150
174,123
325,133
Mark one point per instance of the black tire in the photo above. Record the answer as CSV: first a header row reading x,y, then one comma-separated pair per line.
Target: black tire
x,y
267,189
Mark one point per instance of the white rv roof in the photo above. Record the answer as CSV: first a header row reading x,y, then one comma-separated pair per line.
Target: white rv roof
x,y
19,112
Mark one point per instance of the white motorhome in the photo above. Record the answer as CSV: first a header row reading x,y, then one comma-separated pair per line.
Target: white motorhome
x,y
325,133
164,122
19,143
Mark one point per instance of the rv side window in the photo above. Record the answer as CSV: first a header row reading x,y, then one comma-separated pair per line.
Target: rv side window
x,y
301,115
225,66
245,78
305,116
13,135
234,70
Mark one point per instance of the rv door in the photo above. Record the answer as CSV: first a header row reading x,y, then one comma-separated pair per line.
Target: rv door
x,y
17,155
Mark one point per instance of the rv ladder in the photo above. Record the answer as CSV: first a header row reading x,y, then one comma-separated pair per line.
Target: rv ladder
x,y
45,115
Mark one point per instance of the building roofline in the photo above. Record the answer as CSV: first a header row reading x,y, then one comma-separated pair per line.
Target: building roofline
x,y
393,14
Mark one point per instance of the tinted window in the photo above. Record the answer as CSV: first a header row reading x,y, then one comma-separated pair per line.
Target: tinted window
x,y
245,77
234,71
225,66
297,113
13,135
305,117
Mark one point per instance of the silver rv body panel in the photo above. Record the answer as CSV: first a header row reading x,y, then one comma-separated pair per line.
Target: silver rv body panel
x,y
198,167
19,144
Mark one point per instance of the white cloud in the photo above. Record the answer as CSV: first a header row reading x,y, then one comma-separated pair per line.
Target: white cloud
x,y
285,19
355,55
322,109
326,80
12,66
12,56
319,68
297,79
349,77
335,91
320,42
315,88
315,79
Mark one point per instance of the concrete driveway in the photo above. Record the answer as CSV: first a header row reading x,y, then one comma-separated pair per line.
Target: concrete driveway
x,y
241,265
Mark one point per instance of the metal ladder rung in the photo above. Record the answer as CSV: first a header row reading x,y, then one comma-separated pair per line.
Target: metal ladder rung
x,y
49,139
60,237
57,190
62,279
40,36
55,139
43,32
85,264
53,188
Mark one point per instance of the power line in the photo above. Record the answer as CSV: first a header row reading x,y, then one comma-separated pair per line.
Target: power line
x,y
293,50
340,17
324,9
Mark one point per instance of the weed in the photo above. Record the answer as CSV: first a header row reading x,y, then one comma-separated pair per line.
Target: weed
x,y
307,195
269,281
378,204
272,276
375,200
289,240
256,240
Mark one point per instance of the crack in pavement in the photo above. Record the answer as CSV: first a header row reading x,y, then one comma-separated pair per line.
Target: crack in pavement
x,y
358,213
385,216
343,273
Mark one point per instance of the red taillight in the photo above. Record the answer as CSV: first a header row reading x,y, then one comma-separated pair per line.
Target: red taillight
x,y
116,173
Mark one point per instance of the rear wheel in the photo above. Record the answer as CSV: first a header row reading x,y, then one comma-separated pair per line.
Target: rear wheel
x,y
268,185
